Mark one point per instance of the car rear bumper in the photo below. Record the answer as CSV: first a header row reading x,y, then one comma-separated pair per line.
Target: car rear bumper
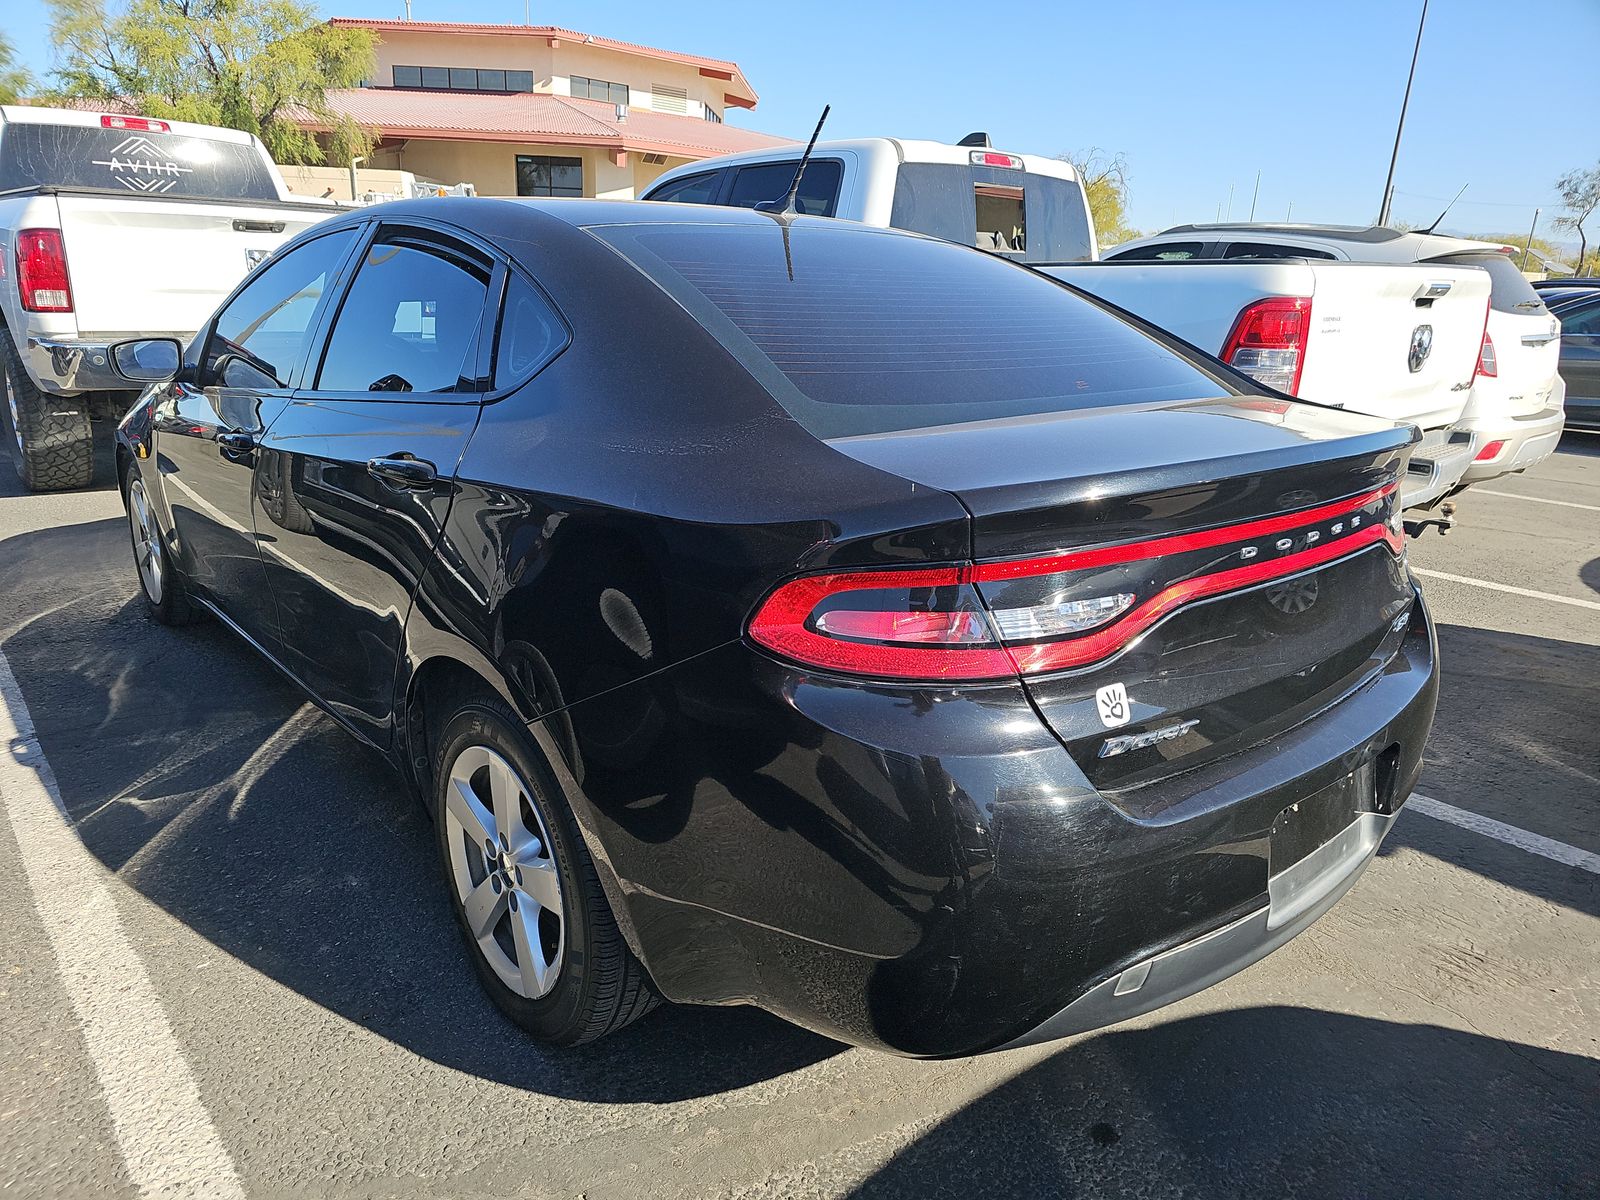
x,y
1526,441
930,872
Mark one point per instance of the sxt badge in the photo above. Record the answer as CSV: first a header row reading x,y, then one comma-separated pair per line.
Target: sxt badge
x,y
1112,701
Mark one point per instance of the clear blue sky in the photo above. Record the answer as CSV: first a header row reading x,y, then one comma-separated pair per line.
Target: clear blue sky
x,y
1199,94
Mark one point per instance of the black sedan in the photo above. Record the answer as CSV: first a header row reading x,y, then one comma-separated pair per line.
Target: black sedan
x,y
774,610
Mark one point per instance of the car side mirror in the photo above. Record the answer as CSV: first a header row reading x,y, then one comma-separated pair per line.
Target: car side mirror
x,y
148,360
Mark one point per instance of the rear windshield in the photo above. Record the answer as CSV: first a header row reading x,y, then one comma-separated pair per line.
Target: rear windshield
x,y
859,332
1509,289
1033,218
153,164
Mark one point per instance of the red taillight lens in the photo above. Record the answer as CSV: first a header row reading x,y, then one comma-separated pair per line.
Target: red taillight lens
x,y
1268,341
42,271
1030,616
138,124
993,158
1490,452
1487,364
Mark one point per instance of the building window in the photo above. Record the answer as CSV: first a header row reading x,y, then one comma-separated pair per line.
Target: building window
x,y
463,79
599,89
713,115
540,175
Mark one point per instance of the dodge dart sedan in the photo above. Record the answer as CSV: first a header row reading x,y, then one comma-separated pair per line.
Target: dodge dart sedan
x,y
778,611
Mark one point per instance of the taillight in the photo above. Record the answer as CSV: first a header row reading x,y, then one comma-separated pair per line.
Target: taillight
x,y
137,124
1030,616
42,271
1268,341
993,158
1490,452
1487,365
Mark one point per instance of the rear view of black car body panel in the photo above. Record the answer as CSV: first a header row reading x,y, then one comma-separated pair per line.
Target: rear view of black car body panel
x,y
933,866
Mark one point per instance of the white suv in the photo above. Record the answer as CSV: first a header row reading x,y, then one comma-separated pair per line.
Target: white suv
x,y
1514,415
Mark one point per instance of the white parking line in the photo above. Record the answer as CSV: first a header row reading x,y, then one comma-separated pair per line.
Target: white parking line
x,y
1506,587
163,1131
1537,499
1522,839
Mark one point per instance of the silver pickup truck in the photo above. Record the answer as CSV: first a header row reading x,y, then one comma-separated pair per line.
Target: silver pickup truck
x,y
115,227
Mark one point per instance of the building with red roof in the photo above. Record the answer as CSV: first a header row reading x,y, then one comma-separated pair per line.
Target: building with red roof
x,y
537,110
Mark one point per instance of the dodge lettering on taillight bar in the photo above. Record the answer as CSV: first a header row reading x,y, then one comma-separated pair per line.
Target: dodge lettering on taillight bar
x,y
1066,611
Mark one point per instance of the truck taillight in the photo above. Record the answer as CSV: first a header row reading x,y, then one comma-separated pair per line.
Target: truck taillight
x,y
1487,364
1268,341
137,124
42,271
999,620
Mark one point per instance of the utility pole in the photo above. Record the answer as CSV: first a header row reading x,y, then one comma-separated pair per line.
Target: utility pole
x,y
1388,184
1253,196
1529,250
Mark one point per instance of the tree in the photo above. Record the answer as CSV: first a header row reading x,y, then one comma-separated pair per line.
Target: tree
x,y
14,81
1104,178
254,65
1580,194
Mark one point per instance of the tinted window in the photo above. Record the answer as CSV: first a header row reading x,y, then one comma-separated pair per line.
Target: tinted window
x,y
540,175
408,323
1509,290
1270,250
519,81
1165,252
530,333
264,328
860,332
1580,320
941,200
408,77
492,81
692,189
164,164
436,77
819,186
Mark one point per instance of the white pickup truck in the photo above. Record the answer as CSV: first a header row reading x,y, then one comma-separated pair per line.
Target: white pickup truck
x,y
115,227
1396,341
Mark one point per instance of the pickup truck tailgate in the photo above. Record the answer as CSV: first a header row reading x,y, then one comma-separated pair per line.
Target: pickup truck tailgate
x,y
152,266
1365,319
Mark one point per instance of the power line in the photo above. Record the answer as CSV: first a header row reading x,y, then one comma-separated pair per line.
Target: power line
x,y
1483,203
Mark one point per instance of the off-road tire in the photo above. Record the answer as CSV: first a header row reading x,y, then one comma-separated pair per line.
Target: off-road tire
x,y
601,986
50,437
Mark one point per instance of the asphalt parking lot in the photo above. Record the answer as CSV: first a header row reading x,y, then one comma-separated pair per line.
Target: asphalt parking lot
x,y
236,972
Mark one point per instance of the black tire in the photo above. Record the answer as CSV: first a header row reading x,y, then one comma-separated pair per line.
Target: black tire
x,y
166,596
599,985
51,438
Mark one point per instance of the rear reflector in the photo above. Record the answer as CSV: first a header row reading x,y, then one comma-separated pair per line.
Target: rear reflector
x,y
137,124
1268,341
993,158
1031,616
1488,365
42,271
1490,452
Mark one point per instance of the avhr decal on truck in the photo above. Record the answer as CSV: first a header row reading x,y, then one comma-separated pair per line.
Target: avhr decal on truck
x,y
138,165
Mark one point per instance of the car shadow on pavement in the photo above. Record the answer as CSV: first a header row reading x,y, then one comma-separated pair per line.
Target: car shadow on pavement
x,y
207,783
1270,1102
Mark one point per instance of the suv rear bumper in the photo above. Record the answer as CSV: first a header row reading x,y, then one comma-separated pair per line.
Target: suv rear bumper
x,y
1528,440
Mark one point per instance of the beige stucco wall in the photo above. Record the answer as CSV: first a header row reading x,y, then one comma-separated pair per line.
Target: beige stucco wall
x,y
491,167
552,68
335,181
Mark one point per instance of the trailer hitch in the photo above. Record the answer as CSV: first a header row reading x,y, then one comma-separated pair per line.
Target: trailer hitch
x,y
1444,521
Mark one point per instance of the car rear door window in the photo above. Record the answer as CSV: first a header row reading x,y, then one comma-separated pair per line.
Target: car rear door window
x,y
1163,252
1509,289
263,330
1581,321
530,333
1270,250
819,186
410,320
858,331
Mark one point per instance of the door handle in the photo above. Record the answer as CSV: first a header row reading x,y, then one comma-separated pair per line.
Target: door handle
x,y
236,443
402,471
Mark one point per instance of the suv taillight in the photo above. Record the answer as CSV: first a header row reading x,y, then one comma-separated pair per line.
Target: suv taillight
x,y
998,620
1487,365
1268,342
42,271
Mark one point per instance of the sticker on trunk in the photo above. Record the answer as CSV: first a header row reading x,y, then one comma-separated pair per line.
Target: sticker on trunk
x,y
1112,703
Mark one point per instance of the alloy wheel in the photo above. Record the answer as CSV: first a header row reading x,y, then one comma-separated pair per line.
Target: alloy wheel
x,y
146,540
503,871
